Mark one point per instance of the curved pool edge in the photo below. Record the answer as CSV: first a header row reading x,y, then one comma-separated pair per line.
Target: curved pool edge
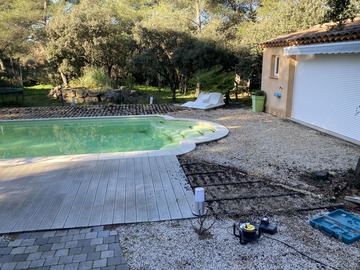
x,y
186,145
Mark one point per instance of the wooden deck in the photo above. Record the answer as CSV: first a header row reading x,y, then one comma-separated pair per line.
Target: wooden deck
x,y
57,195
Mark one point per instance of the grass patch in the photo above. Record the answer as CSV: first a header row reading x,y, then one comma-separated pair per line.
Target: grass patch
x,y
164,95
39,87
37,96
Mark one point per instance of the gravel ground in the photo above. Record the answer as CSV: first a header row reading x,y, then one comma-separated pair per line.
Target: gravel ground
x,y
264,146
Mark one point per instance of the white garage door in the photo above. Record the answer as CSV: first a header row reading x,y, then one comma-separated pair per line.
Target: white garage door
x,y
327,93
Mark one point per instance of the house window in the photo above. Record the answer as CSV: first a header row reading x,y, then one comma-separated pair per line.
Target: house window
x,y
274,72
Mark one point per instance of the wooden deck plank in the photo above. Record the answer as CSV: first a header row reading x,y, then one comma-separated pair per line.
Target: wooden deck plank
x,y
22,200
163,208
168,188
48,209
13,186
120,201
141,211
64,210
84,179
8,173
90,193
16,171
97,209
46,183
151,203
183,191
130,193
20,206
110,196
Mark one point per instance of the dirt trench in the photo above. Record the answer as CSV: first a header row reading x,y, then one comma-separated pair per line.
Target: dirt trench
x,y
233,193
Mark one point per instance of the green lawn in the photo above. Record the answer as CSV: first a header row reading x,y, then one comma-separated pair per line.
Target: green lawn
x,y
37,96
164,95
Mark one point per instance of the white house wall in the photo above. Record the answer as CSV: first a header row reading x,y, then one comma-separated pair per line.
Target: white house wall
x,y
327,93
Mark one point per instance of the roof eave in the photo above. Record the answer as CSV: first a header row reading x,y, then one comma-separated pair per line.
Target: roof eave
x,y
311,40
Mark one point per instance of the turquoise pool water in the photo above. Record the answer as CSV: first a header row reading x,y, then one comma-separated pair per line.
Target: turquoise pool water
x,y
44,138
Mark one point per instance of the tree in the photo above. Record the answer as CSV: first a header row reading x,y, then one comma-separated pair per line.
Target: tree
x,y
249,66
177,56
16,26
277,17
233,13
156,54
215,79
339,11
81,37
274,18
151,39
20,22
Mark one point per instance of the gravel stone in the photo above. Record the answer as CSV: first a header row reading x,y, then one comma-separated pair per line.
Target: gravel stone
x,y
270,148
258,144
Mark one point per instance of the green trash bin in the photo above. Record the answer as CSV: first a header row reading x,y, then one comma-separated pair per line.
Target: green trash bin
x,y
258,103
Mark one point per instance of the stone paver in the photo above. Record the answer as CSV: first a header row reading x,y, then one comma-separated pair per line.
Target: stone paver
x,y
86,111
95,248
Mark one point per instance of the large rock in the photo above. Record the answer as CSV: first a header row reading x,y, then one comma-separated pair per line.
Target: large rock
x,y
91,100
81,93
113,96
86,96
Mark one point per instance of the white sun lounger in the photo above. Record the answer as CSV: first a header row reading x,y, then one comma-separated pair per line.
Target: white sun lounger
x,y
206,101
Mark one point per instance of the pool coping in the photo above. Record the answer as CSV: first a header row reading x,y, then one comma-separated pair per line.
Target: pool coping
x,y
185,146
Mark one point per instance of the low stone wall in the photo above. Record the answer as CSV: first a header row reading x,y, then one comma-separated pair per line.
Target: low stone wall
x,y
86,96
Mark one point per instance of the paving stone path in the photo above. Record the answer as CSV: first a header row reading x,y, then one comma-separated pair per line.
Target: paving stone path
x,y
85,248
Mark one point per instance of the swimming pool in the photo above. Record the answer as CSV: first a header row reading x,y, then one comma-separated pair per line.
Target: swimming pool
x,y
103,135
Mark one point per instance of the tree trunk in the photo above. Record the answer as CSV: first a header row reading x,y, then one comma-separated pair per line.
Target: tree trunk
x,y
357,172
45,11
159,82
20,74
64,79
12,65
173,92
198,15
227,97
185,85
109,69
2,66
198,89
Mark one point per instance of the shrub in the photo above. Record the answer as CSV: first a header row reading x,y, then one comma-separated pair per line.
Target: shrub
x,y
95,78
214,79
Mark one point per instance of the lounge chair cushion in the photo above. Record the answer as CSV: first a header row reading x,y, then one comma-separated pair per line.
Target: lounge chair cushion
x,y
206,101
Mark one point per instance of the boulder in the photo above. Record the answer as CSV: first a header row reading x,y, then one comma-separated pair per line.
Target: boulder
x,y
91,100
87,96
81,93
79,100
113,96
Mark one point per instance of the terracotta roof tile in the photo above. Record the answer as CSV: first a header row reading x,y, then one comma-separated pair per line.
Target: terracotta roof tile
x,y
318,34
